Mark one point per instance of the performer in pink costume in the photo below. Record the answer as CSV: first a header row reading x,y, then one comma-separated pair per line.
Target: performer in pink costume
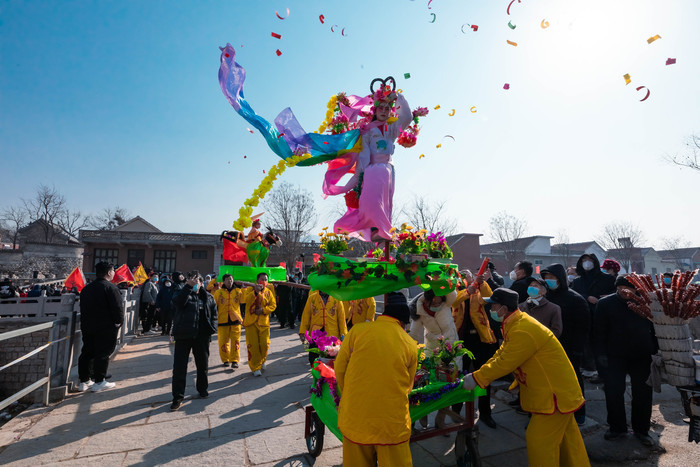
x,y
374,170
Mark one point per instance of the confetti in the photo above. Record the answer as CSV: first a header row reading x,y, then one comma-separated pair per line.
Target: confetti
x,y
406,75
652,39
506,86
251,131
334,26
449,136
508,9
473,109
322,18
245,157
275,35
400,91
434,17
462,28
437,106
281,135
648,93
342,33
438,146
278,52
263,171
421,156
278,15
514,44
510,25
475,27
671,61
429,2
627,78
544,24
451,114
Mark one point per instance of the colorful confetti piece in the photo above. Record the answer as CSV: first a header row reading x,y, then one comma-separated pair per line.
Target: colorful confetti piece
x,y
544,24
473,109
510,25
437,106
627,78
652,39
322,18
278,15
278,52
406,75
506,86
452,113
514,44
648,93
275,35
671,61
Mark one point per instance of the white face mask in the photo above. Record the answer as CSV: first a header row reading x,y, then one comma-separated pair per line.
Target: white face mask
x,y
513,276
571,277
587,265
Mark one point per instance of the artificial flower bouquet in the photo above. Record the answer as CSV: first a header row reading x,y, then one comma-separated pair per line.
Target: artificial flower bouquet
x,y
443,359
325,346
334,243
408,241
437,246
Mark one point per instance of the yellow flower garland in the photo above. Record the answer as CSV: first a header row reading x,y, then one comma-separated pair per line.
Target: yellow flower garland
x,y
244,221
329,114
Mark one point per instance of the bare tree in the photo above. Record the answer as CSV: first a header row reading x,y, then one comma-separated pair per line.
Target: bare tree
x,y
431,216
689,158
15,218
109,218
563,247
621,239
674,246
291,213
72,221
507,229
47,206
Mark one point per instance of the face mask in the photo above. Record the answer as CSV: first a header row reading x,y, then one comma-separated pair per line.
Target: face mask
x,y
513,276
552,283
533,292
587,265
435,308
667,280
154,280
571,277
168,284
495,316
195,288
603,271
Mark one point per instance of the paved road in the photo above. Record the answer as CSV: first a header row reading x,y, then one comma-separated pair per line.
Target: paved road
x,y
250,421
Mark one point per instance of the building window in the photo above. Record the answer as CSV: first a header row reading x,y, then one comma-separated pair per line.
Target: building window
x,y
106,254
134,257
539,261
653,271
164,260
199,254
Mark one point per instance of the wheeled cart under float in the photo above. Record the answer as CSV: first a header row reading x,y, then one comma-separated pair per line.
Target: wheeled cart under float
x,y
437,396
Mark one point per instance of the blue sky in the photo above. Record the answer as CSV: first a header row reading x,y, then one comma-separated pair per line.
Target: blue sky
x,y
118,103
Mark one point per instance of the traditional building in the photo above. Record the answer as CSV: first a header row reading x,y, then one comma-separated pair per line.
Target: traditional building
x,y
139,241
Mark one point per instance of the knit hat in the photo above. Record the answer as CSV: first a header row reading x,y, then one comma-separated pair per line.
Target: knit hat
x,y
397,307
621,281
611,264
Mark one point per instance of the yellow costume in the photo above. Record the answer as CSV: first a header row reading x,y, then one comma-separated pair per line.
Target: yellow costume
x,y
548,388
329,316
359,311
477,312
376,427
228,302
257,327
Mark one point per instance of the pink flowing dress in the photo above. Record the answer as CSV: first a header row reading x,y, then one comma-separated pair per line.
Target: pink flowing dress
x,y
377,197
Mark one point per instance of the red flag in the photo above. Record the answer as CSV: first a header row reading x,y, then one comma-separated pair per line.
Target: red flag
x,y
75,279
299,265
316,257
537,269
283,264
123,274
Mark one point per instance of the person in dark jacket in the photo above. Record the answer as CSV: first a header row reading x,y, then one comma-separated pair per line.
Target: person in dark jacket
x,y
495,280
164,306
591,283
101,315
284,305
521,276
537,306
194,321
624,344
576,321
147,304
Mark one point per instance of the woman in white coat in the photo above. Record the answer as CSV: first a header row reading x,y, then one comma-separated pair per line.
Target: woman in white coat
x,y
432,318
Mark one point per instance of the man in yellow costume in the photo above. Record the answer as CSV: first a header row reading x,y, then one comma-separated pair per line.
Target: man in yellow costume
x,y
548,385
259,303
228,302
325,313
359,311
377,355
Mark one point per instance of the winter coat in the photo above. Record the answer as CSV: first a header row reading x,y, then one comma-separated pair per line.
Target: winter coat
x,y
149,292
541,368
100,307
620,332
427,329
164,299
593,283
575,315
545,312
195,314
382,356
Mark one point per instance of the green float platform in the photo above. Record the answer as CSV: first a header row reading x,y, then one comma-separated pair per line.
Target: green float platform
x,y
250,274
